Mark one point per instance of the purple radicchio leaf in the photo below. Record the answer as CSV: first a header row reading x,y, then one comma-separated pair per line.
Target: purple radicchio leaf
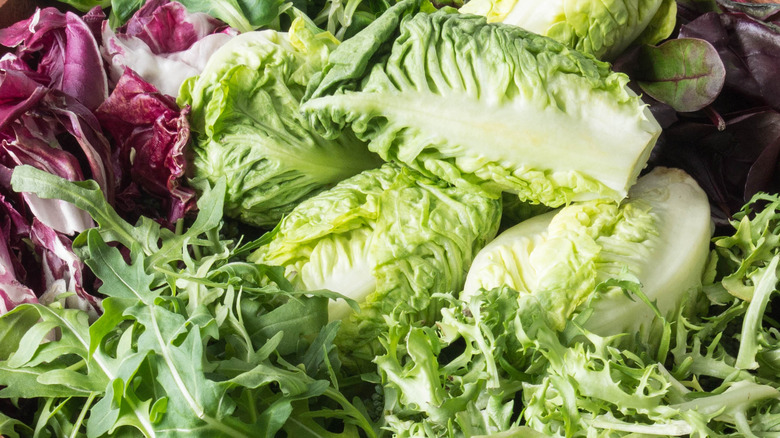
x,y
63,48
13,291
150,132
19,92
63,271
168,27
53,131
164,44
27,149
9,61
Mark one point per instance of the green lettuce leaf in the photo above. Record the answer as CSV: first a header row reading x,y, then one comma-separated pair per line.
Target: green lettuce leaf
x,y
486,105
603,29
659,237
244,111
387,238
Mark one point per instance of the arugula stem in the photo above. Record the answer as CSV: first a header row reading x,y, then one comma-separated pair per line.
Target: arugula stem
x,y
204,282
77,366
251,405
350,409
87,405
44,419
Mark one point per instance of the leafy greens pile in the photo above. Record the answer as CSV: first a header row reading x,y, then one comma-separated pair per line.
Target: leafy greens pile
x,y
390,218
191,350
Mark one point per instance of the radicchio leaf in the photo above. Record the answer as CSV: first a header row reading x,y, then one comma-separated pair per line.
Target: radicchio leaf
x,y
62,270
12,289
62,47
167,27
150,132
164,44
54,132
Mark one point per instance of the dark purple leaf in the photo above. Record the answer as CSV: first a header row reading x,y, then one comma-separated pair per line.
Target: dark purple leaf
x,y
762,10
761,50
749,50
151,132
730,165
686,74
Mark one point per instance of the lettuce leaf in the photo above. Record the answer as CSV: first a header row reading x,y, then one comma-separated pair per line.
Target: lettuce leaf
x,y
483,105
244,110
602,29
387,238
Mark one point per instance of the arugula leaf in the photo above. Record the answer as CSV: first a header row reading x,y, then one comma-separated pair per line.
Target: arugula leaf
x,y
193,339
87,196
39,367
10,427
160,245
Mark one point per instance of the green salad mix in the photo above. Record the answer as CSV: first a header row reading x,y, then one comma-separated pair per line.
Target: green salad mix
x,y
374,218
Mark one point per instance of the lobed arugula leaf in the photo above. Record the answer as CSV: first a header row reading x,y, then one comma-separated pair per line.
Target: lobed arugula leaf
x,y
193,339
37,366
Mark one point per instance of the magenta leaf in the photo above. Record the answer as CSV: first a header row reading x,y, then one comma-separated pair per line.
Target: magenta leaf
x,y
52,131
63,270
168,27
150,132
62,47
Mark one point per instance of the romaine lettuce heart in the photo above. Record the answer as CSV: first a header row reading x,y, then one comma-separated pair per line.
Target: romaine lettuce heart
x,y
387,238
601,28
658,237
487,105
245,113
